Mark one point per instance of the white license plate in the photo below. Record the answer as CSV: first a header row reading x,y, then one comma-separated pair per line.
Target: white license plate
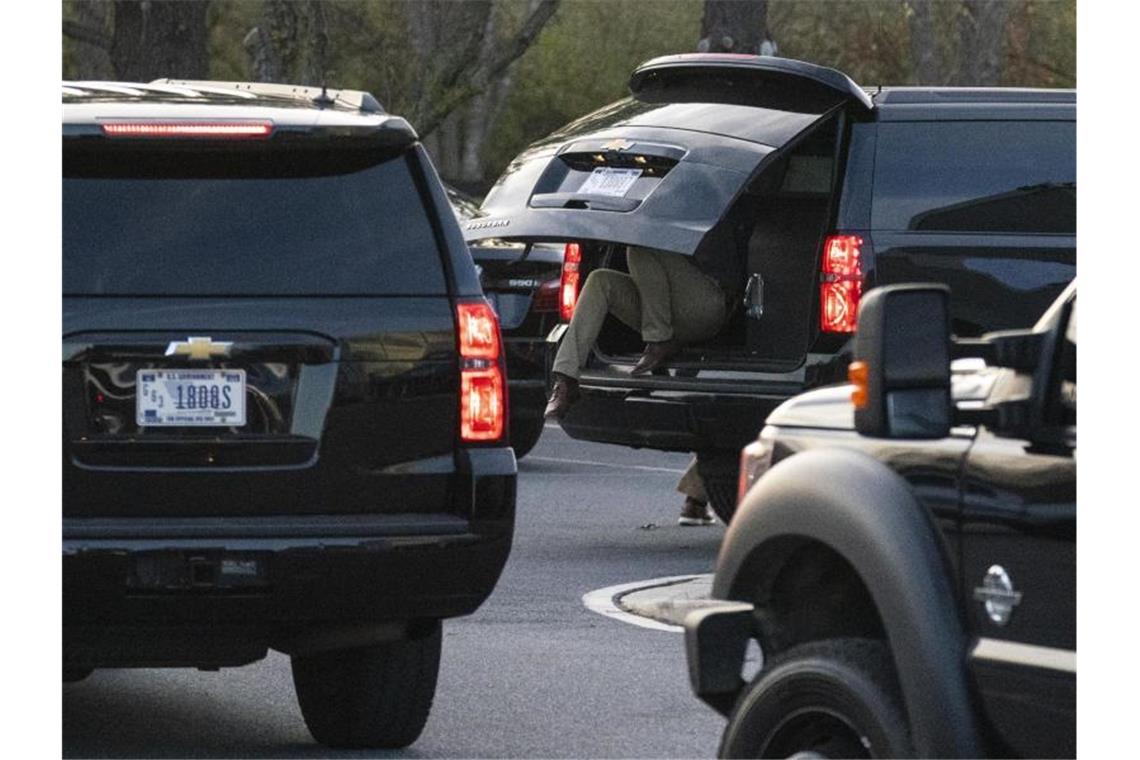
x,y
183,397
606,180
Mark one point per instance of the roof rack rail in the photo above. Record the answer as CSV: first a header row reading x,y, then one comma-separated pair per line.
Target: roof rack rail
x,y
358,99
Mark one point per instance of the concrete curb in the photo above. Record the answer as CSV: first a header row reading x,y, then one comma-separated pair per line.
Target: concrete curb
x,y
668,601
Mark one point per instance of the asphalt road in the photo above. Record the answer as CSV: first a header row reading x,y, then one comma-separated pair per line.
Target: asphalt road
x,y
532,674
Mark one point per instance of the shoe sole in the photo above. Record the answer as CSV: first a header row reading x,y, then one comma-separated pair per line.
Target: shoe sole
x,y
694,522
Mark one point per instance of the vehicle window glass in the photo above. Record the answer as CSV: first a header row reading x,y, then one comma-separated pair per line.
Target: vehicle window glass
x,y
999,176
1066,373
245,222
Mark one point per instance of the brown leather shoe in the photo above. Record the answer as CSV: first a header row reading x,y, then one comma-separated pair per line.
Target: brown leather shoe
x,y
695,513
655,355
562,395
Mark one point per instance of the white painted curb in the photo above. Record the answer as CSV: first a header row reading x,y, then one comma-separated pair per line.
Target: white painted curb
x,y
604,602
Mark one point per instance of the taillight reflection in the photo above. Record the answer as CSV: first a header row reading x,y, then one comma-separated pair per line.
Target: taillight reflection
x,y
482,380
841,283
568,290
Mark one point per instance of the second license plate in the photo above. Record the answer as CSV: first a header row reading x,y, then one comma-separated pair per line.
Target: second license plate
x,y
183,397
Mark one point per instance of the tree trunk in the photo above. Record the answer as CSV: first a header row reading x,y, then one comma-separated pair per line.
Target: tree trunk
x,y
736,26
160,38
926,61
981,26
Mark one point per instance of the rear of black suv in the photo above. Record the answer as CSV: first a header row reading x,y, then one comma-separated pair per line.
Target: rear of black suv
x,y
805,190
284,397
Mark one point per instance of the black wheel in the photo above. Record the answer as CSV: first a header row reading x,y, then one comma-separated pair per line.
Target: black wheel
x,y
374,697
720,470
525,433
835,698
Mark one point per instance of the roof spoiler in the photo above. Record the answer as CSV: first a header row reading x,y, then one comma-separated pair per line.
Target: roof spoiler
x,y
358,99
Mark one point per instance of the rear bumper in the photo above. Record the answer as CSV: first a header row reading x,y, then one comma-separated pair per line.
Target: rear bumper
x,y
670,420
220,591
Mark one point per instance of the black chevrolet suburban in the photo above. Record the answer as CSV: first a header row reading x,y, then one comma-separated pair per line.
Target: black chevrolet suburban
x,y
821,189
904,550
284,397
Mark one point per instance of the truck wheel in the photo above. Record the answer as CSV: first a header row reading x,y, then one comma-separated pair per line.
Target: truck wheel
x,y
720,471
373,697
525,434
834,698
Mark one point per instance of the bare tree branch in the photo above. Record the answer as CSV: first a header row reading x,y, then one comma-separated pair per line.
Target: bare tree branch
x,y
461,82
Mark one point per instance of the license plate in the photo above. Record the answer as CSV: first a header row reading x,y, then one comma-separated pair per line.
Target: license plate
x,y
182,397
606,180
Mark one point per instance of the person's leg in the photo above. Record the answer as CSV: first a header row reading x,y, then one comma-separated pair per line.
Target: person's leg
x,y
606,292
695,510
698,304
646,267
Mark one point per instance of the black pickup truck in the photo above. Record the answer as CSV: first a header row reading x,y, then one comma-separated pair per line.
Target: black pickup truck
x,y
284,397
904,551
818,189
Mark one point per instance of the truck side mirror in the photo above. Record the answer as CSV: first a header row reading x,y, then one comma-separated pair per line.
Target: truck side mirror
x,y
901,370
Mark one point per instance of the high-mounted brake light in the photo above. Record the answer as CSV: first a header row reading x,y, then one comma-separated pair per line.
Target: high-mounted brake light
x,y
482,386
841,283
226,130
568,291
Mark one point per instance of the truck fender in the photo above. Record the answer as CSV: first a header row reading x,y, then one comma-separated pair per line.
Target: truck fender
x,y
867,513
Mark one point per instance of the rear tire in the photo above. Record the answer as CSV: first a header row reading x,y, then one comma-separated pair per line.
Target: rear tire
x,y
720,471
72,674
525,433
834,698
376,697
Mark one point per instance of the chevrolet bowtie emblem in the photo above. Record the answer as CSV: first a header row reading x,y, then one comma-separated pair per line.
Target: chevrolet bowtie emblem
x,y
198,348
617,144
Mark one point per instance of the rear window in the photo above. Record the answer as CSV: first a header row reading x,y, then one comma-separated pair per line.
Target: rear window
x,y
255,221
995,177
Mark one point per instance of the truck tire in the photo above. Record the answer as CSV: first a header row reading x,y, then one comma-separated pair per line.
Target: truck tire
x,y
525,434
833,698
720,471
375,697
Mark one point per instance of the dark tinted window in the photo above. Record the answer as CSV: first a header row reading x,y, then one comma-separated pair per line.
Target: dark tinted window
x,y
252,221
999,176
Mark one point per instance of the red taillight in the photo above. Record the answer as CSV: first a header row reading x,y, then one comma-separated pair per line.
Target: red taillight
x,y
568,290
478,331
228,130
841,283
481,404
482,391
547,296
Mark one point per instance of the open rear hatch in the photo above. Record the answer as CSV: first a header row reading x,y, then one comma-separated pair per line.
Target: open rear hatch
x,y
660,169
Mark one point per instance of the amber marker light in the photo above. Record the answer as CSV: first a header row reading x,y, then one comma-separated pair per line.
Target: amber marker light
x,y
857,375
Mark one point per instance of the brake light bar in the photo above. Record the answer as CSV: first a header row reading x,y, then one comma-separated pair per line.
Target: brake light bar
x,y
568,290
482,379
841,283
228,130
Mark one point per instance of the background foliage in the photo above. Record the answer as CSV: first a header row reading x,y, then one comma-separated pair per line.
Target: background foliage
x,y
582,56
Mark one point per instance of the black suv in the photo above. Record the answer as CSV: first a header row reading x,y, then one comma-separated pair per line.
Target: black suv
x,y
284,406
822,189
905,550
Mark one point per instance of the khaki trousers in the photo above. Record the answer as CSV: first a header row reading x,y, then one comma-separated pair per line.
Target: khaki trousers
x,y
664,296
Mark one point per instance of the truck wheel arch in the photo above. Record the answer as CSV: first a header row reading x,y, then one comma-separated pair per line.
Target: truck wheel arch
x,y
865,513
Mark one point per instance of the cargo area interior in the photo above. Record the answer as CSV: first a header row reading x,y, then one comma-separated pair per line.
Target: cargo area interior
x,y
779,222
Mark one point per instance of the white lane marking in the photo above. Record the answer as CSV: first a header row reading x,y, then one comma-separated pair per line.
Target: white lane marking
x,y
1015,652
603,601
592,463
